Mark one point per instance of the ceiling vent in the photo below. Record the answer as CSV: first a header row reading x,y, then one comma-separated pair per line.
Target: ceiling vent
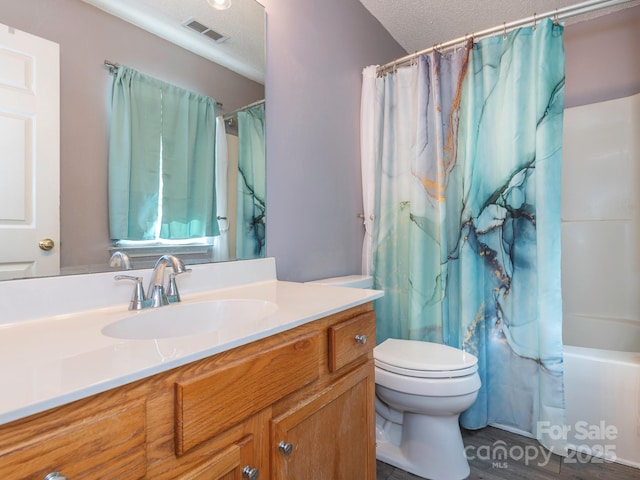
x,y
204,30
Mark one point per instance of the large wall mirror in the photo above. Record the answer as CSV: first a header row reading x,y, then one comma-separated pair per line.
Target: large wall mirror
x,y
219,53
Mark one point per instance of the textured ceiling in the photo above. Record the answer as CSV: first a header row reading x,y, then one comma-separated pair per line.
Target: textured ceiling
x,y
243,24
414,24
420,24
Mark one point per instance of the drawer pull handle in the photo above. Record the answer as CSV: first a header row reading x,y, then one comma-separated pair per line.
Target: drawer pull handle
x,y
55,476
361,339
250,473
285,448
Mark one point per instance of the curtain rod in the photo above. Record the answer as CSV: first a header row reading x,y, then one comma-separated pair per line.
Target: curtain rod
x,y
111,65
558,14
242,109
115,65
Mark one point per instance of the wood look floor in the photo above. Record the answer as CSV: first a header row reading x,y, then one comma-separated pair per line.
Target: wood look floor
x,y
555,467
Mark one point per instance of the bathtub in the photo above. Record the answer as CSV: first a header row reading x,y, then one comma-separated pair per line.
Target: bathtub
x,y
602,389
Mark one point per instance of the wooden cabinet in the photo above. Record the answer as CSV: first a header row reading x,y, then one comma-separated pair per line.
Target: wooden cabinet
x,y
329,437
297,405
329,433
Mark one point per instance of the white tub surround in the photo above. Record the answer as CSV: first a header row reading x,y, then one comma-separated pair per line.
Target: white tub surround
x,y
601,225
600,280
54,352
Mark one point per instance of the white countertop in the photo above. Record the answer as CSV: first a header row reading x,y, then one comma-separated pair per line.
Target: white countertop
x,y
51,361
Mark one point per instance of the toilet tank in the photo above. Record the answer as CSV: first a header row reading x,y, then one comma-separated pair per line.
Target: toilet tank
x,y
353,281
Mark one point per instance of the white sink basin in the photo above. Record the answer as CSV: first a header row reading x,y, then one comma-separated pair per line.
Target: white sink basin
x,y
184,319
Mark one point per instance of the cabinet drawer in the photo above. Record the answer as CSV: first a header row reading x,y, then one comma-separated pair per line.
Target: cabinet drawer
x,y
351,339
211,403
228,464
109,444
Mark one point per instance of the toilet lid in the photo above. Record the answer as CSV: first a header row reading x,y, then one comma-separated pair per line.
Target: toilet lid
x,y
423,359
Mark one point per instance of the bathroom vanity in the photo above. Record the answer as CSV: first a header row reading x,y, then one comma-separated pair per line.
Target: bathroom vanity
x,y
291,396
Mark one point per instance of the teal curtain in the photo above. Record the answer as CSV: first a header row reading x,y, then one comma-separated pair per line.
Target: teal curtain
x,y
467,234
161,160
251,221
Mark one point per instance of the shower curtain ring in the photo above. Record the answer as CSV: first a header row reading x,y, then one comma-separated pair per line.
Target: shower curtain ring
x,y
534,22
469,38
504,27
555,19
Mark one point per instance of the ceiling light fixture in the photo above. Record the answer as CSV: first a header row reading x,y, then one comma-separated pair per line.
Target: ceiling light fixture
x,y
220,4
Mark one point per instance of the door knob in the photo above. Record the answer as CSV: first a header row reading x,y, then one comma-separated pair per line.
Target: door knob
x,y
285,448
46,244
55,476
250,473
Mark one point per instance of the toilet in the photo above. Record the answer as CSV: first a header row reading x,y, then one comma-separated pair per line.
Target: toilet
x,y
421,390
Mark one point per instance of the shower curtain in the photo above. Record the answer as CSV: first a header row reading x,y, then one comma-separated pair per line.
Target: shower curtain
x,y
220,244
466,147
250,234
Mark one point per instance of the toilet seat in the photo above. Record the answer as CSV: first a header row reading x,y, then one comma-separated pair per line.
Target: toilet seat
x,y
428,387
419,359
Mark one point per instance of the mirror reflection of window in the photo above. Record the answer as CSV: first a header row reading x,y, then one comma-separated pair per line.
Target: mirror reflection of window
x,y
161,164
168,172
231,71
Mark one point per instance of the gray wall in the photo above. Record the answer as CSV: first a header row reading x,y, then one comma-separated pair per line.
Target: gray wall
x,y
315,54
603,58
87,36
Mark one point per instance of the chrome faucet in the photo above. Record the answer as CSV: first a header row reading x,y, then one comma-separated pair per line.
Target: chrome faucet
x,y
121,260
156,292
156,295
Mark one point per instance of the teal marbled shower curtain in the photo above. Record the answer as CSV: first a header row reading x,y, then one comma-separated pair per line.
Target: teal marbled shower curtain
x,y
252,182
466,241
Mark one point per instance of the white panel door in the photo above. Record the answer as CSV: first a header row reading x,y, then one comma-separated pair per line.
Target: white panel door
x,y
29,154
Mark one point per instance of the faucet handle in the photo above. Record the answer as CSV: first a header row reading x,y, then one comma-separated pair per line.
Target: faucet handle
x,y
138,298
172,288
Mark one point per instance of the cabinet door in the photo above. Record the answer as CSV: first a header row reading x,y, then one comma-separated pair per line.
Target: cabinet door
x,y
232,463
330,437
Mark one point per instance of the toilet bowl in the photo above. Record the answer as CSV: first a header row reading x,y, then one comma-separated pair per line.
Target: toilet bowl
x,y
421,390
